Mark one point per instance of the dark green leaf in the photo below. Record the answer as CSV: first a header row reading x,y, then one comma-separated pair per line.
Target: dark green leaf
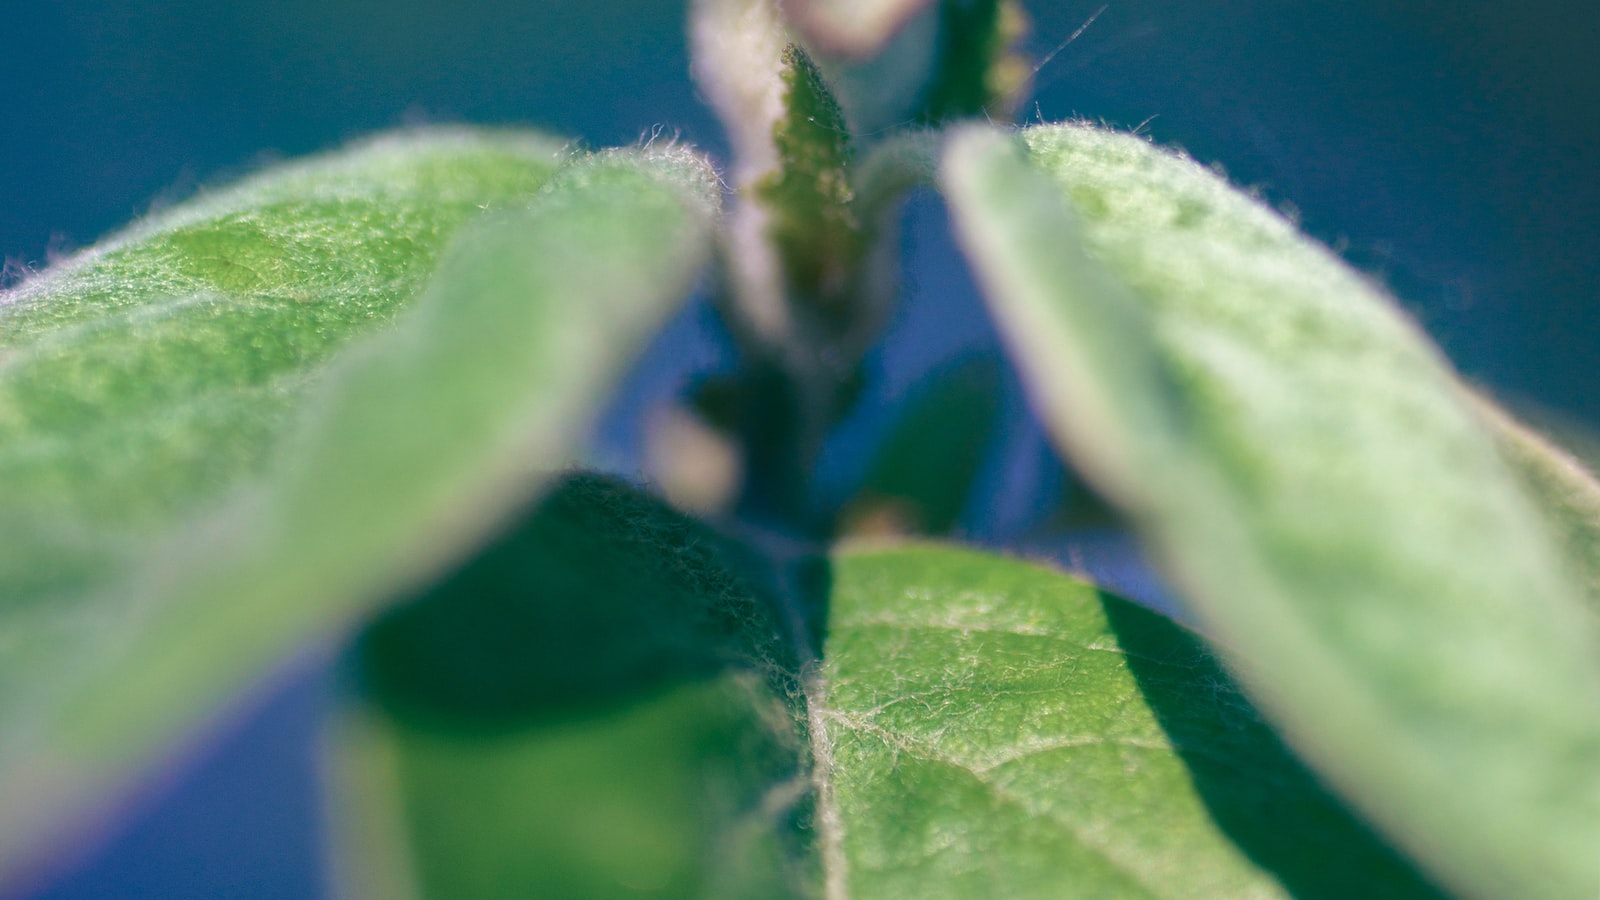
x,y
978,73
920,480
808,197
603,705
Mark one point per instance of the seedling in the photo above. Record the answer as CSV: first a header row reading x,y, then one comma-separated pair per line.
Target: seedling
x,y
346,399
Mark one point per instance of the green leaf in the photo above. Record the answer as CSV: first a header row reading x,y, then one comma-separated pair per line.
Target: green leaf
x,y
811,223
404,454
998,729
609,702
145,378
1305,468
603,704
978,72
793,223
1568,495
807,280
921,478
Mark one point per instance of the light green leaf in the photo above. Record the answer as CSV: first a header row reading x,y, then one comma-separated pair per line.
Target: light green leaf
x,y
1302,463
998,729
408,451
601,705
146,377
1567,493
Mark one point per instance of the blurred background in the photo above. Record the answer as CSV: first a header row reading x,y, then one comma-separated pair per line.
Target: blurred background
x,y
1450,148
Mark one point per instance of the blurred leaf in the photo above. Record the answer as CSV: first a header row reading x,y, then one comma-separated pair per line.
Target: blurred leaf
x,y
406,453
888,87
1301,462
602,705
1002,730
923,474
808,196
1570,436
1568,494
979,72
146,378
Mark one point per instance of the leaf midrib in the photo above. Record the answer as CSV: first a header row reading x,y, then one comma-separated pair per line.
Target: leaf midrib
x,y
819,715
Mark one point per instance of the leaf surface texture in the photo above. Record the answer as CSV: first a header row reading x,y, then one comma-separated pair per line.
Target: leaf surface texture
x,y
1305,467
228,475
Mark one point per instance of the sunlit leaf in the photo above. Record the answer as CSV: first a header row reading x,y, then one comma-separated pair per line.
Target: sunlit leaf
x,y
148,376
1306,470
404,453
1567,493
998,729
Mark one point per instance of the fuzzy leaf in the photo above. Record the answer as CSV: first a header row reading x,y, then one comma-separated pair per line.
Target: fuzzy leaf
x,y
601,705
807,197
144,379
998,729
608,703
404,453
1567,493
1304,466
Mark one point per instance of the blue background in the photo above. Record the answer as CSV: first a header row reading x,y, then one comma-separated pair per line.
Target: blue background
x,y
1449,147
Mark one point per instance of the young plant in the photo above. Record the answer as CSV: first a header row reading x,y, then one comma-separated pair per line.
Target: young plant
x,y
348,397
